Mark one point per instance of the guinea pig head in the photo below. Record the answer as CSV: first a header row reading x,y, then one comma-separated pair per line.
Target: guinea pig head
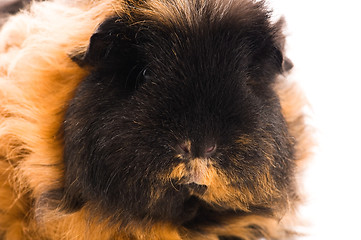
x,y
176,114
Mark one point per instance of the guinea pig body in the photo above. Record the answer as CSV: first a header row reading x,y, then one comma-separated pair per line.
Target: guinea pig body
x,y
147,120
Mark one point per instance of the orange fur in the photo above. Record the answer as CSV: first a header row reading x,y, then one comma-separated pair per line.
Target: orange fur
x,y
37,79
293,104
220,189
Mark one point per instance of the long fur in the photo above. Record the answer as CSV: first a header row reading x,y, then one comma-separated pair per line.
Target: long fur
x,y
50,58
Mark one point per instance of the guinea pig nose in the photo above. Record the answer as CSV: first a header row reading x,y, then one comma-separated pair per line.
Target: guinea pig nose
x,y
184,148
197,188
210,149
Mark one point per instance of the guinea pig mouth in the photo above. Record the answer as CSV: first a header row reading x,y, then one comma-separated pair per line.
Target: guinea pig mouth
x,y
195,176
196,189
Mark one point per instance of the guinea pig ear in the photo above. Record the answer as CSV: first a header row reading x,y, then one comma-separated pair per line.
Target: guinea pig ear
x,y
280,42
287,65
269,52
111,46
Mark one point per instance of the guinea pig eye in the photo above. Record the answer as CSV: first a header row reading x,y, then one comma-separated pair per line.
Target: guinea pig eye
x,y
146,74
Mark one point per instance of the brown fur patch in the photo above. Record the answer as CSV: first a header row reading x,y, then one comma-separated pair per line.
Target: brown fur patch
x,y
220,190
293,104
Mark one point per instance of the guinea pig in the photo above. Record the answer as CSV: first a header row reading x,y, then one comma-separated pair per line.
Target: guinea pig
x,y
157,119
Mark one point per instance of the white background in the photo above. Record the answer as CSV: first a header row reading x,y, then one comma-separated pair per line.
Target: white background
x,y
324,43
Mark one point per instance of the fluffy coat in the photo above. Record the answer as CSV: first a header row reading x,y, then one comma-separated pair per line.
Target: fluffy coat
x,y
148,120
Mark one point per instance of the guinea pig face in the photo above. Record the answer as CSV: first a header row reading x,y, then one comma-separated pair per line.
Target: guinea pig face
x,y
178,115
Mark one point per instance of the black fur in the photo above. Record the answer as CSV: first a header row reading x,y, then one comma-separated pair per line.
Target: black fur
x,y
9,7
12,6
152,86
